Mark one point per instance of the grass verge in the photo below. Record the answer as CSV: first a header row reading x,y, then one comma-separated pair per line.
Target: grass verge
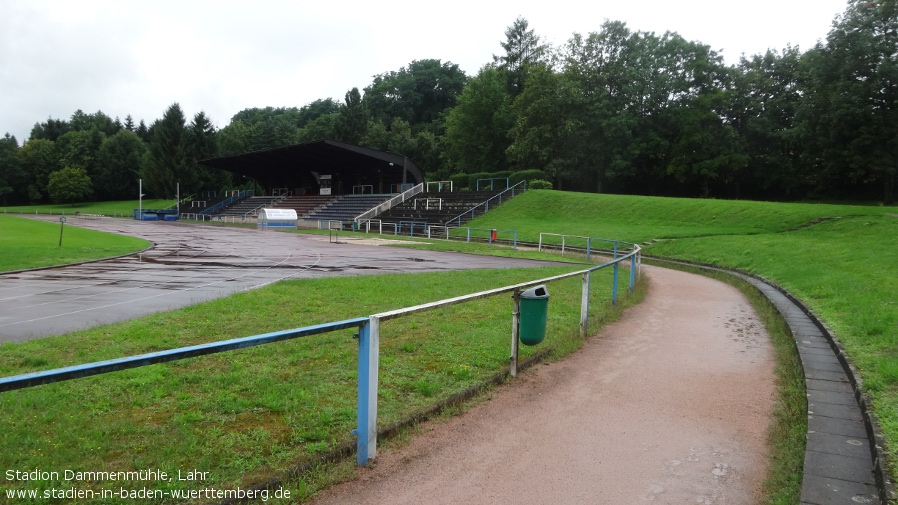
x,y
26,243
123,208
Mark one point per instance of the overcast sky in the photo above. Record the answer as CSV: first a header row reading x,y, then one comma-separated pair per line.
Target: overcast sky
x,y
125,57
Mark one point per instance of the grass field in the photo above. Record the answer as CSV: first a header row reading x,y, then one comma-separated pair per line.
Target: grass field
x,y
109,209
26,243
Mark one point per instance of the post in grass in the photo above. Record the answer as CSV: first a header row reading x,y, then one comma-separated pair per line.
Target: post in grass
x,y
61,226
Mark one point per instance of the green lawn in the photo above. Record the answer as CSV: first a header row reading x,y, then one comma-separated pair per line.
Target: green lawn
x,y
110,209
638,219
28,243
844,267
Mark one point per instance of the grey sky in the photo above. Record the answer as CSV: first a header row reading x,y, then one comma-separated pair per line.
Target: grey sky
x,y
126,57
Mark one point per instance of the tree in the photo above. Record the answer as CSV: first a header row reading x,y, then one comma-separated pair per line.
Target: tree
x,y
478,127
168,163
322,127
11,175
99,121
71,184
39,160
353,118
548,132
523,49
202,143
850,115
767,95
80,148
316,109
143,132
418,94
118,170
235,138
706,147
51,129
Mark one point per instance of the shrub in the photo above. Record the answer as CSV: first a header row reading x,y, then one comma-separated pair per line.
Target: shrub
x,y
527,175
539,184
459,181
472,178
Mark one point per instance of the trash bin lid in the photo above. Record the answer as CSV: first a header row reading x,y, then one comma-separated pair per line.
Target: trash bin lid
x,y
537,293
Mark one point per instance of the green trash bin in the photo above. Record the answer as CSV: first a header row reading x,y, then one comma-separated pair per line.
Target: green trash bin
x,y
534,309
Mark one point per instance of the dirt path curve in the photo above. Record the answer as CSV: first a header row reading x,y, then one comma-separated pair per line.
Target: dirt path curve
x,y
671,404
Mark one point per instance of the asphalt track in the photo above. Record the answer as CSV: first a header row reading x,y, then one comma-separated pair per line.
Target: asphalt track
x,y
190,264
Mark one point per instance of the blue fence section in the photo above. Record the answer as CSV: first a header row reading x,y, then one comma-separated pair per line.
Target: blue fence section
x,y
101,367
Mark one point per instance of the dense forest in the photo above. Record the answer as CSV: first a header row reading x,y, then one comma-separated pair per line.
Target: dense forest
x,y
615,110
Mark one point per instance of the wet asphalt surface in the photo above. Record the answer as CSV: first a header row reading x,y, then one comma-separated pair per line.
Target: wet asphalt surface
x,y
190,264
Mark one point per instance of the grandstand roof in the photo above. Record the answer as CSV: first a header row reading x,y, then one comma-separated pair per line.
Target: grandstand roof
x,y
297,165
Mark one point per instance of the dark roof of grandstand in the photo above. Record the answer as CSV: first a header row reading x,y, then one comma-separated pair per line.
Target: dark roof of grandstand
x,y
321,157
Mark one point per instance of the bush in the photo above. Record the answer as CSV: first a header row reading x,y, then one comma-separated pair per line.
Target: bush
x,y
539,184
527,175
472,178
459,181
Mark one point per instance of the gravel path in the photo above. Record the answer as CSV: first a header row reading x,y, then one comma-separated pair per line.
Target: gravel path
x,y
671,404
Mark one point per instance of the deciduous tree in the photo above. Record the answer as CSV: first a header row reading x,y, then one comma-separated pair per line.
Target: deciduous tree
x,y
71,185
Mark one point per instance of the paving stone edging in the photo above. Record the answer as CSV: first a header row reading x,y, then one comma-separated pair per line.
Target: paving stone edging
x,y
829,475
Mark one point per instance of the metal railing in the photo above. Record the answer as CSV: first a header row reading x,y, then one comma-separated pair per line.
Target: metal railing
x,y
587,247
389,204
368,352
484,207
228,201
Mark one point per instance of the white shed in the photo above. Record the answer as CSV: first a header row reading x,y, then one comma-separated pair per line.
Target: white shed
x,y
277,218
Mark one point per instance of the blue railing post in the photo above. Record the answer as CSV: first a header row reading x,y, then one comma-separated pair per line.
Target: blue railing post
x,y
584,306
614,285
632,273
588,247
366,431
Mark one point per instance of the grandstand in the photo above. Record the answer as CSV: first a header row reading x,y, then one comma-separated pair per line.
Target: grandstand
x,y
344,209
444,208
247,208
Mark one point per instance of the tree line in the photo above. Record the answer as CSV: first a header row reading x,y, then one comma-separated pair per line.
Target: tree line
x,y
615,110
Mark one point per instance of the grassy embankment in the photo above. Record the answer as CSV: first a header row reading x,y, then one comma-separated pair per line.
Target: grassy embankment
x,y
247,415
841,260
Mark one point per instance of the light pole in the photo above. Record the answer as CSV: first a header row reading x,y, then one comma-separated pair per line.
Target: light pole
x,y
140,199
